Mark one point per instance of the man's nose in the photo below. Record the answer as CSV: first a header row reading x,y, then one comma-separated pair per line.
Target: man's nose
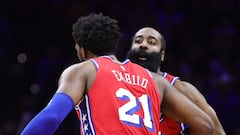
x,y
143,46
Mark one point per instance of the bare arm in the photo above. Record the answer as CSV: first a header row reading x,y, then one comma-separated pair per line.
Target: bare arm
x,y
178,107
197,98
73,80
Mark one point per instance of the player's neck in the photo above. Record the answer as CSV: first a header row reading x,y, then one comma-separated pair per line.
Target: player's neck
x,y
114,58
159,71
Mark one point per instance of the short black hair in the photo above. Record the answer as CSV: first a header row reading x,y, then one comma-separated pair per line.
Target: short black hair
x,y
97,33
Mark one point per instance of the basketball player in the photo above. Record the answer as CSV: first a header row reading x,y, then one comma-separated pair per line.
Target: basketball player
x,y
148,50
114,97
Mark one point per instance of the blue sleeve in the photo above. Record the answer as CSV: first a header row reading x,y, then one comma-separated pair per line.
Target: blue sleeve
x,y
48,120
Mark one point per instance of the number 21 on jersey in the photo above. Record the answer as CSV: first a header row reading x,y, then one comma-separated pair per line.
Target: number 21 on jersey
x,y
127,112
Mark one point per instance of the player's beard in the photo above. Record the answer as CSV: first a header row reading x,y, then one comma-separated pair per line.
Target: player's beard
x,y
152,62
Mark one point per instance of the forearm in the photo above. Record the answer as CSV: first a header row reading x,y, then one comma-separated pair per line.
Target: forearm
x,y
218,129
200,128
197,98
199,122
48,120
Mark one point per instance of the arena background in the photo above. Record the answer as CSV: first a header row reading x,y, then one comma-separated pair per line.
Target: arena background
x,y
36,45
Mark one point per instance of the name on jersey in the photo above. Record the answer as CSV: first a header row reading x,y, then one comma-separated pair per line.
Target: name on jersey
x,y
130,79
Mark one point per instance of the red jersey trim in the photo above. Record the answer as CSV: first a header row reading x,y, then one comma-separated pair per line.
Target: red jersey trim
x,y
172,79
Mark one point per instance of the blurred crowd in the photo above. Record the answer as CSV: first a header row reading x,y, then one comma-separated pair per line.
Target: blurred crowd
x,y
202,39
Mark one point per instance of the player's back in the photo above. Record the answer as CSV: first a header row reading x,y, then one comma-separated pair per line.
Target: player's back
x,y
123,99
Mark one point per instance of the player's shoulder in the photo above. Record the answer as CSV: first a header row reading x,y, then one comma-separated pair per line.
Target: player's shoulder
x,y
159,79
161,83
186,85
78,68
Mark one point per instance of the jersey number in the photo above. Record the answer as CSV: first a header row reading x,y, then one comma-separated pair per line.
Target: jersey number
x,y
127,112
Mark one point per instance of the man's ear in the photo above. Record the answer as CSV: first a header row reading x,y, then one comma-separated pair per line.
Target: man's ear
x,y
162,54
85,54
80,52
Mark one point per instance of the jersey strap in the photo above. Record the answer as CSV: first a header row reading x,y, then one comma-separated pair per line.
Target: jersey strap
x,y
172,79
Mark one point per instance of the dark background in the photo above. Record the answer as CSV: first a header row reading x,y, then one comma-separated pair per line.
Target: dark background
x,y
36,46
